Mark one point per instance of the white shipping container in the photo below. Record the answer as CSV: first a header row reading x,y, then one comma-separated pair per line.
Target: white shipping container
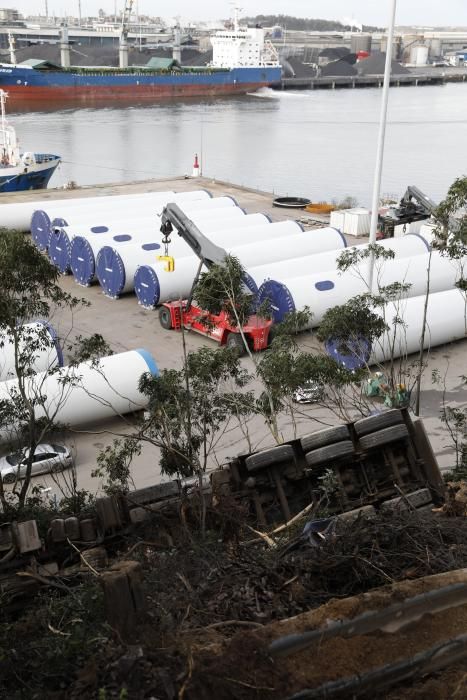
x,y
356,222
337,219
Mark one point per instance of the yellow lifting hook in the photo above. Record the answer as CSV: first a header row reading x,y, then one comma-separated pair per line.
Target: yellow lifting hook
x,y
169,260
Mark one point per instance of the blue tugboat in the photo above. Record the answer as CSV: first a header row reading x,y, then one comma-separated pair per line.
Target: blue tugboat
x,y
21,171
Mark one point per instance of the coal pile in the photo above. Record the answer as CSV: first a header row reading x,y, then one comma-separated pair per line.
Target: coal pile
x,y
374,65
294,68
338,68
334,53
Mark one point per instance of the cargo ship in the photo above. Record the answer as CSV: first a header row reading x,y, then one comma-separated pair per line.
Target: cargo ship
x,y
21,171
243,61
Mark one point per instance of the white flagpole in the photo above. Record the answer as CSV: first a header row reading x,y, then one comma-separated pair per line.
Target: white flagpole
x,y
380,148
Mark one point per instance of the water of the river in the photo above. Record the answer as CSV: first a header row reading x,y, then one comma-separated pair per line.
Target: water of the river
x,y
319,144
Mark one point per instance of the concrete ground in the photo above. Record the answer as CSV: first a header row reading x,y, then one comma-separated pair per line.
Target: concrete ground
x,y
125,325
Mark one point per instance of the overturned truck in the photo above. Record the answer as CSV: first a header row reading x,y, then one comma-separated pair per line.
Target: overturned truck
x,y
381,461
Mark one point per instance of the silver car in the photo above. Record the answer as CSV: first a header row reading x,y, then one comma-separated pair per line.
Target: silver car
x,y
47,458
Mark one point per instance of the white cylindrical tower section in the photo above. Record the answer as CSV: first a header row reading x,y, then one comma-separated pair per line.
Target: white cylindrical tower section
x,y
35,348
65,210
307,265
323,291
445,322
84,249
87,393
154,285
116,267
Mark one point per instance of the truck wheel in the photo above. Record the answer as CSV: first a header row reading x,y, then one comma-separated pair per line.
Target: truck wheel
x,y
165,318
381,420
384,437
235,342
329,453
267,458
321,438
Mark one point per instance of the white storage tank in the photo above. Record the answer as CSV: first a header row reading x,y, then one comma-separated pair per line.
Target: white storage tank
x,y
154,285
84,249
40,223
419,55
38,349
89,392
325,290
307,265
116,268
445,323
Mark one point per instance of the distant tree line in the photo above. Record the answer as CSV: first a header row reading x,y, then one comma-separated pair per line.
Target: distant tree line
x,y
304,24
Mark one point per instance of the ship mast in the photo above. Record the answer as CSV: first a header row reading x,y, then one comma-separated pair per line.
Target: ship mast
x,y
123,45
3,127
11,46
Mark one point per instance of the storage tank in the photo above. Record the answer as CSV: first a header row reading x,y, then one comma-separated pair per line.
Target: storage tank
x,y
154,285
419,55
403,247
38,349
116,268
360,42
445,322
324,290
63,212
88,392
84,249
60,242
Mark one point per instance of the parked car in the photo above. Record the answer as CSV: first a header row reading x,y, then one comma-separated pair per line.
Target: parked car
x,y
47,458
309,392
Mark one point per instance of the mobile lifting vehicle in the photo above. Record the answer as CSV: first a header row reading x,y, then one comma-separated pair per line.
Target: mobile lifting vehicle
x,y
413,206
175,314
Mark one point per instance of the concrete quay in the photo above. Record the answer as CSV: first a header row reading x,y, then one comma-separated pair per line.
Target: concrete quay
x,y
126,325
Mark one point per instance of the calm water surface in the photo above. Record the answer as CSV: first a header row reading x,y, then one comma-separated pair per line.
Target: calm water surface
x,y
319,144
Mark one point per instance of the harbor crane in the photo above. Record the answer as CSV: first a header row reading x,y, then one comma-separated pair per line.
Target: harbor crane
x,y
186,313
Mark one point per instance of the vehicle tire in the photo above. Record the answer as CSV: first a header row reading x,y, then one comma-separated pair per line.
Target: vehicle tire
x,y
330,452
235,342
321,438
384,437
371,424
268,458
165,319
9,478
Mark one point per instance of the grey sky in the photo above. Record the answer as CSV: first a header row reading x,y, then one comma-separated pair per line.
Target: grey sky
x,y
420,12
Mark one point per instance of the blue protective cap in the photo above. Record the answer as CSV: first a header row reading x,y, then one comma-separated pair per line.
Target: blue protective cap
x,y
150,361
250,283
82,261
59,250
41,228
59,221
110,271
279,297
147,286
53,334
356,355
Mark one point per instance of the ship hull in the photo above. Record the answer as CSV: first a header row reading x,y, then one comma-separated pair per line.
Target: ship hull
x,y
35,177
33,85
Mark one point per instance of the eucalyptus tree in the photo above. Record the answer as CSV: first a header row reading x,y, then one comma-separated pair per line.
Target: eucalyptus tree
x,y
30,291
